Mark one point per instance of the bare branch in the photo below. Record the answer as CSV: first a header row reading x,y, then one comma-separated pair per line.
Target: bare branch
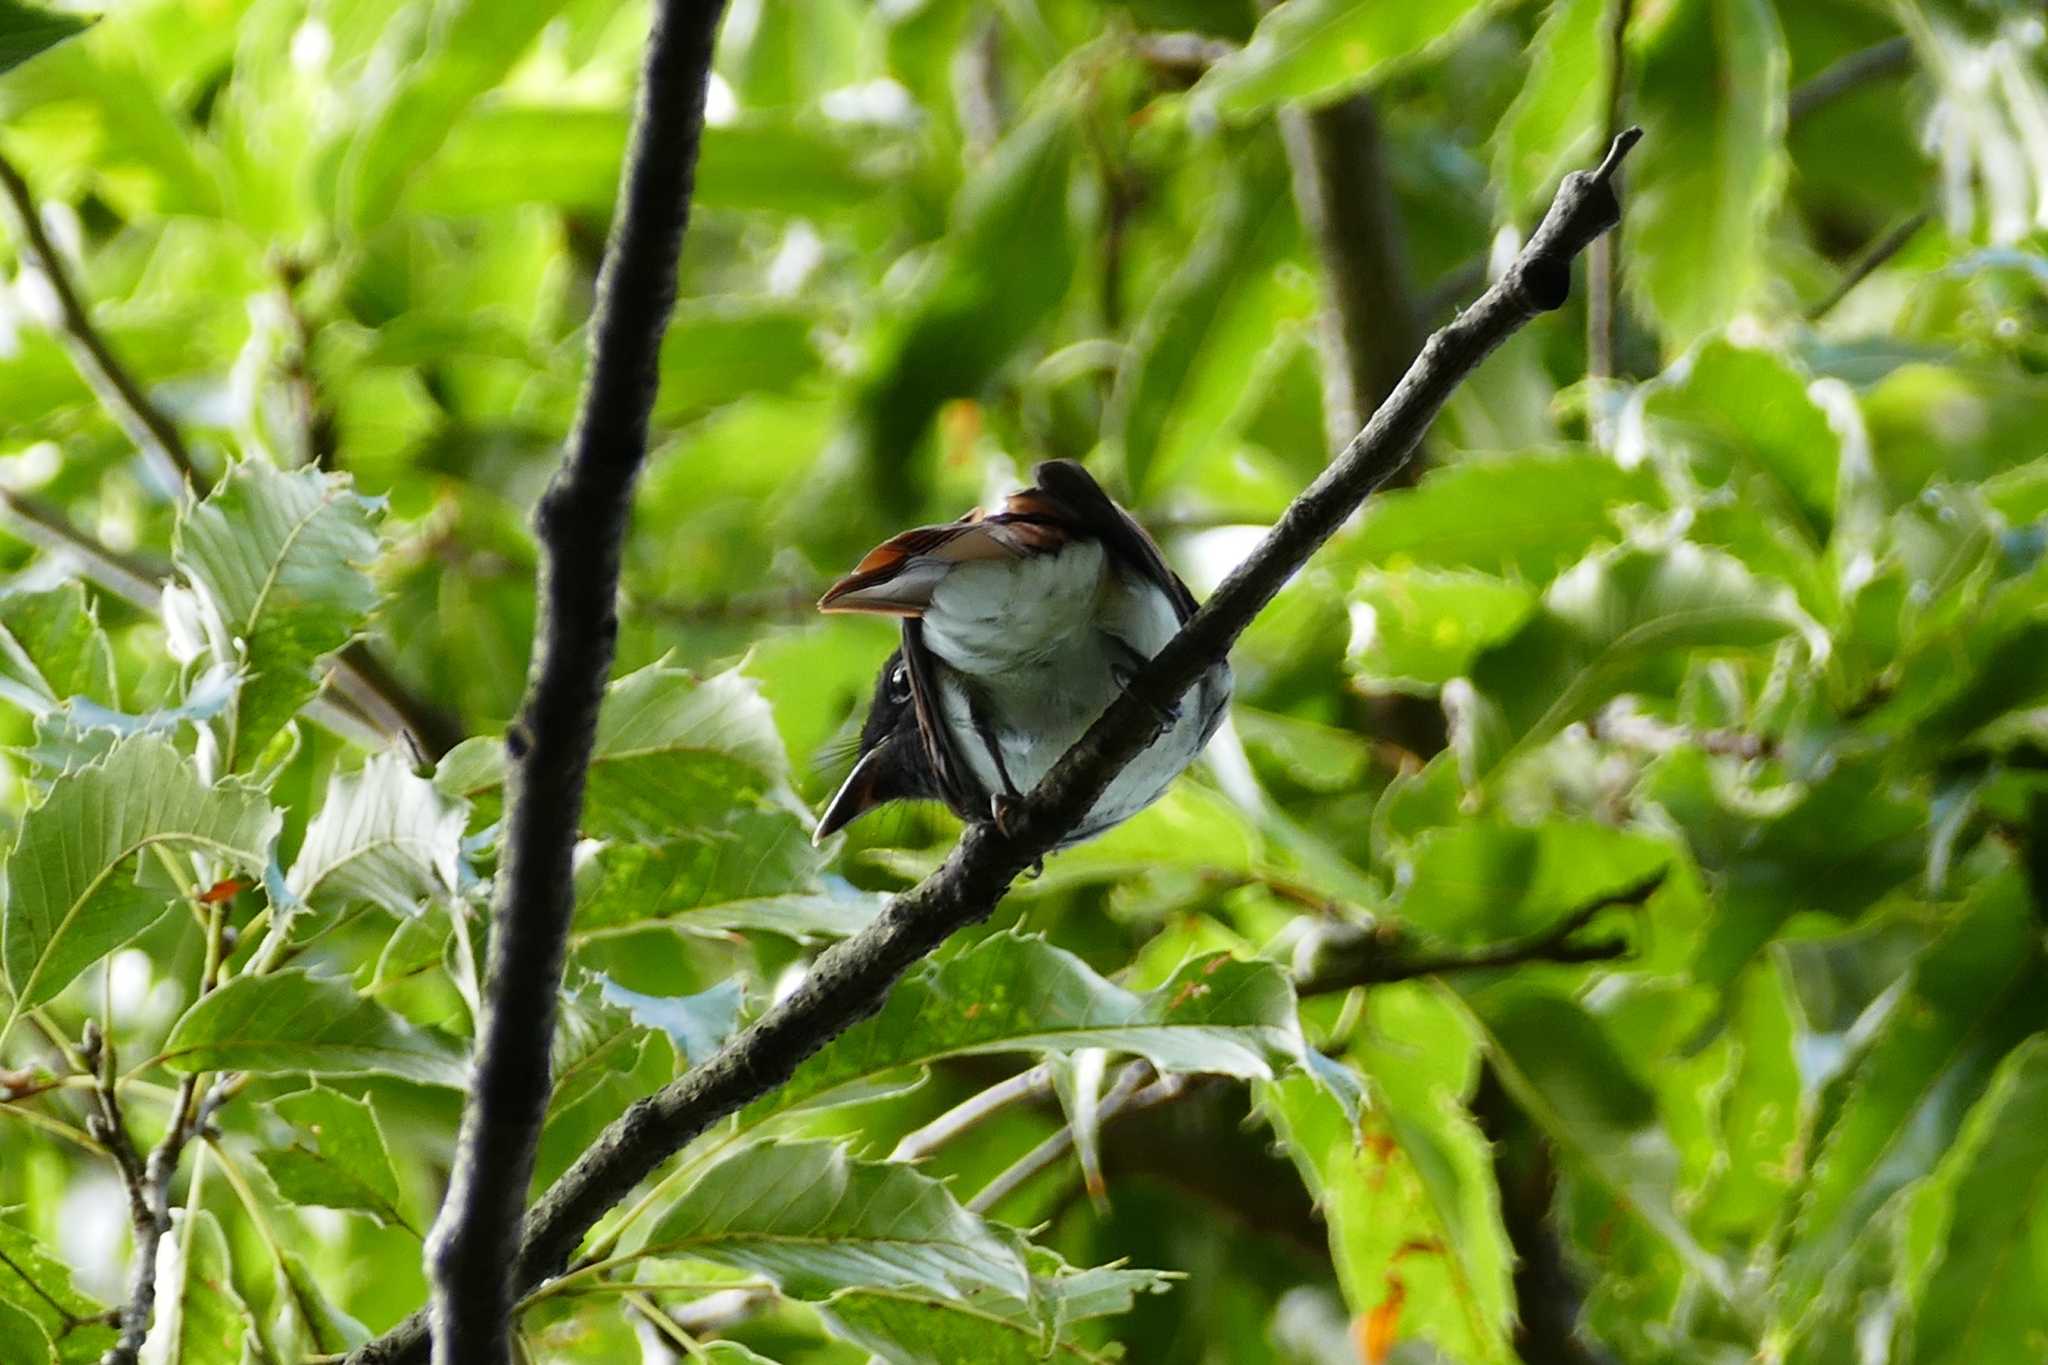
x,y
849,981
117,390
582,522
1892,57
1033,1083
1137,1086
1873,258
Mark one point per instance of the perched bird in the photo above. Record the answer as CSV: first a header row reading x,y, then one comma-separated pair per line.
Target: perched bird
x,y
1019,628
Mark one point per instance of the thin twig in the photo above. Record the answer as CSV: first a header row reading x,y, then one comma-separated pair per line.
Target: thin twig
x,y
1137,1086
116,389
1892,57
582,522
850,980
1603,257
977,1108
1874,256
1366,958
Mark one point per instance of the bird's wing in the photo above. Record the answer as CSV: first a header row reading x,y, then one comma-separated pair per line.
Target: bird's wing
x,y
955,780
1086,506
897,577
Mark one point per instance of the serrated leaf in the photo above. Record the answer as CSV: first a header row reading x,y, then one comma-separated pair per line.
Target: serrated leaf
x,y
35,1281
1983,1302
1014,994
72,890
1407,1189
595,1038
291,1021
307,1321
337,1158
1551,126
756,869
673,753
1972,996
52,648
1416,629
815,1221
1710,95
907,1328
200,1319
1317,50
26,30
382,836
1543,512
279,559
23,1339
1628,621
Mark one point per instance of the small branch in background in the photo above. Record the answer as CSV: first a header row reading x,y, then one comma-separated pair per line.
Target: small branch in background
x,y
1370,325
1603,257
1622,725
850,980
317,431
1031,1084
1344,955
1137,1087
978,87
1181,57
1873,258
767,605
581,521
1880,61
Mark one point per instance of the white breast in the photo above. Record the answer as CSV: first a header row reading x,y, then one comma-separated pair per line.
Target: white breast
x,y
993,617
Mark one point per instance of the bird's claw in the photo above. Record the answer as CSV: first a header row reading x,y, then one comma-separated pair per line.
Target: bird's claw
x,y
1001,808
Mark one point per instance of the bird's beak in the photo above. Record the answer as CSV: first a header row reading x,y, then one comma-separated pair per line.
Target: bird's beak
x,y
859,793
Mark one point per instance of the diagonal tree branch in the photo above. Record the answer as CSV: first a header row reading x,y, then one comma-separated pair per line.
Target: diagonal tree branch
x,y
849,981
581,522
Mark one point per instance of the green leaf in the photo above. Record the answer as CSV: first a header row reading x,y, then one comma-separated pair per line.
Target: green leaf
x,y
1527,515
1565,1071
1194,358
759,873
1743,419
200,1319
72,890
39,1284
291,1021
921,1329
280,562
1971,998
1014,994
1476,883
714,350
1318,50
1408,1192
1710,94
793,166
52,648
383,837
306,1319
596,1039
673,752
1834,848
815,1221
26,30
1551,127
337,1158
466,48
1984,1300
22,1338
1004,268
1628,621
1416,629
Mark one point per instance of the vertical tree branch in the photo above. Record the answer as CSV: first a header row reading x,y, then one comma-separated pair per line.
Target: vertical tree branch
x,y
1370,326
117,390
850,980
1603,263
581,521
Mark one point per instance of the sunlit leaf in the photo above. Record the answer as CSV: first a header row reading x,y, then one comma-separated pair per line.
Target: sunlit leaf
x,y
1480,882
382,836
337,1157
1317,50
34,1281
290,1021
72,889
200,1319
1555,120
22,1338
52,649
26,30
1417,629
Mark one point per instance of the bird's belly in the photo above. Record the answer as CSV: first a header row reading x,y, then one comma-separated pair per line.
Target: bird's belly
x,y
1000,618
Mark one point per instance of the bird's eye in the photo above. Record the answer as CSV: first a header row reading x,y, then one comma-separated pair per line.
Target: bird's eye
x,y
899,684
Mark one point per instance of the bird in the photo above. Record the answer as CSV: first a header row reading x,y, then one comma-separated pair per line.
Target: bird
x,y
1019,627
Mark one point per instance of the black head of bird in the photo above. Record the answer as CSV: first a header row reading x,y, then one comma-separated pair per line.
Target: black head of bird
x,y
1019,627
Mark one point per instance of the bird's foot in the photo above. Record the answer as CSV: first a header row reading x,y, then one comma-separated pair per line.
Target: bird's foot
x,y
1166,717
1002,809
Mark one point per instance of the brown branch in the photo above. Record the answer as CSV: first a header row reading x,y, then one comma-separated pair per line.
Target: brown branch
x,y
582,522
850,980
116,389
1892,57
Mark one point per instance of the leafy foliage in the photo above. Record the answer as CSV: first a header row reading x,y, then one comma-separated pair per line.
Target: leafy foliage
x,y
1764,615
